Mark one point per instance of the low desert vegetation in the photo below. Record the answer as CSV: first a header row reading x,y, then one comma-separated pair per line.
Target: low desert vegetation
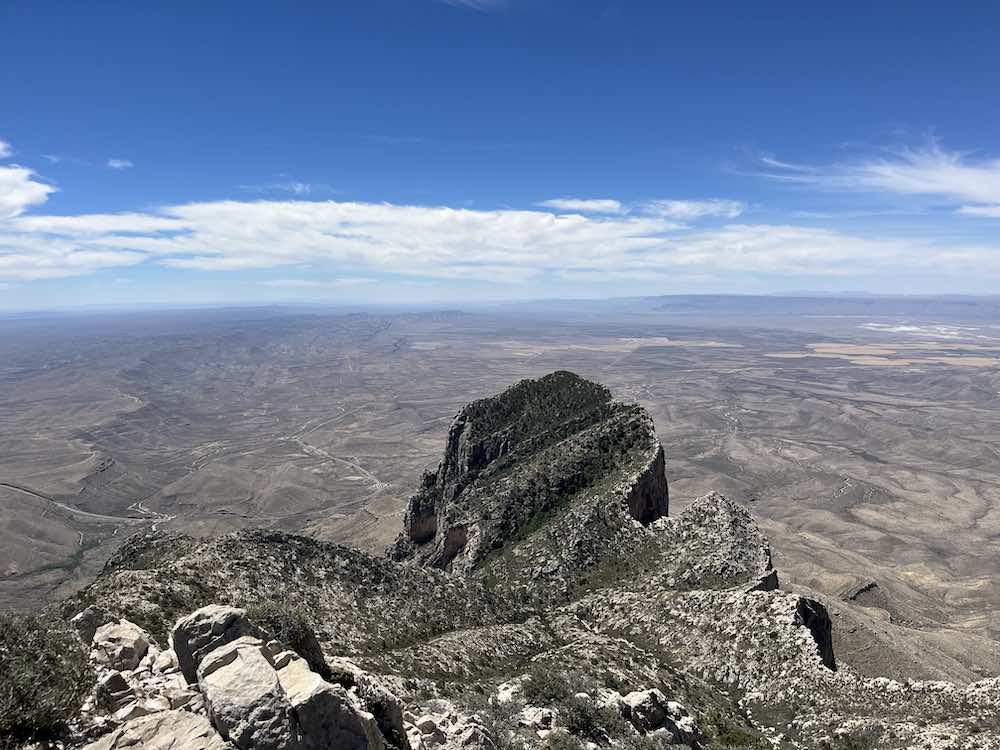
x,y
290,626
45,678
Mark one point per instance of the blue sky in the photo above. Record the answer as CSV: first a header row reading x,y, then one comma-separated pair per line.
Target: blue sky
x,y
418,150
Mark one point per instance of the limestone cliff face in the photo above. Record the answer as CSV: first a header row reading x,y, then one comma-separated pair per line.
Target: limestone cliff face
x,y
525,461
649,498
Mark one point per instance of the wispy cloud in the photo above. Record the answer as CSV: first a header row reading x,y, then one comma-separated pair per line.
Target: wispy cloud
x,y
480,5
19,190
691,210
120,164
983,212
288,186
929,171
5,149
584,205
60,159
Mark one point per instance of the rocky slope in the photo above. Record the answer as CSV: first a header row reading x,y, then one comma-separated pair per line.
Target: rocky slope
x,y
538,596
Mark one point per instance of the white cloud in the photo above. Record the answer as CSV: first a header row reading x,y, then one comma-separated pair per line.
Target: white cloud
x,y
691,210
338,283
120,164
985,212
86,225
930,171
19,190
5,149
349,240
584,205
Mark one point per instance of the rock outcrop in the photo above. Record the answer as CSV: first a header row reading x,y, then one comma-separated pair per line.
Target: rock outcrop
x,y
811,614
245,699
325,713
549,459
204,631
248,694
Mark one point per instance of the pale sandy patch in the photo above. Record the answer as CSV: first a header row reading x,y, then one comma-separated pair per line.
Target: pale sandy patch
x,y
963,361
849,349
880,361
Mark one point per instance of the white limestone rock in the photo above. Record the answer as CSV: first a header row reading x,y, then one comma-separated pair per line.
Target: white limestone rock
x,y
647,709
246,702
120,645
205,630
166,730
165,661
326,715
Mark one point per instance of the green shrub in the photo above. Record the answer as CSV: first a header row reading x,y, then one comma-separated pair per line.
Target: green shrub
x,y
583,718
45,677
858,738
729,736
500,720
646,742
546,686
560,739
290,626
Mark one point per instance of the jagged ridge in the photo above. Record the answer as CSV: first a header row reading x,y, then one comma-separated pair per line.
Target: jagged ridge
x,y
565,563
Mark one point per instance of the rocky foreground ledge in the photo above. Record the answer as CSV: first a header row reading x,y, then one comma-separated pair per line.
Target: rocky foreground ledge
x,y
538,597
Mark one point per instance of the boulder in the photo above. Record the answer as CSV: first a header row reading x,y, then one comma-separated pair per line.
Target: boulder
x,y
651,713
474,737
507,692
327,717
165,661
375,698
430,730
682,726
113,692
133,710
647,709
246,702
383,704
87,621
120,645
180,696
167,730
205,630
146,663
415,738
535,717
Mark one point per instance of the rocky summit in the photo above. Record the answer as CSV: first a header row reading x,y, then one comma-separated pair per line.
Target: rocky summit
x,y
538,596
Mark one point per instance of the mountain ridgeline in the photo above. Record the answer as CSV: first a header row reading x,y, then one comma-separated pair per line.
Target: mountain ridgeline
x,y
538,596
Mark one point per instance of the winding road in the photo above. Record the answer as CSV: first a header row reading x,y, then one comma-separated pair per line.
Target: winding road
x,y
157,517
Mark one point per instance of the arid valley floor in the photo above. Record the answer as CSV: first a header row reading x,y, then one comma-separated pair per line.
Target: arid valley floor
x,y
861,433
